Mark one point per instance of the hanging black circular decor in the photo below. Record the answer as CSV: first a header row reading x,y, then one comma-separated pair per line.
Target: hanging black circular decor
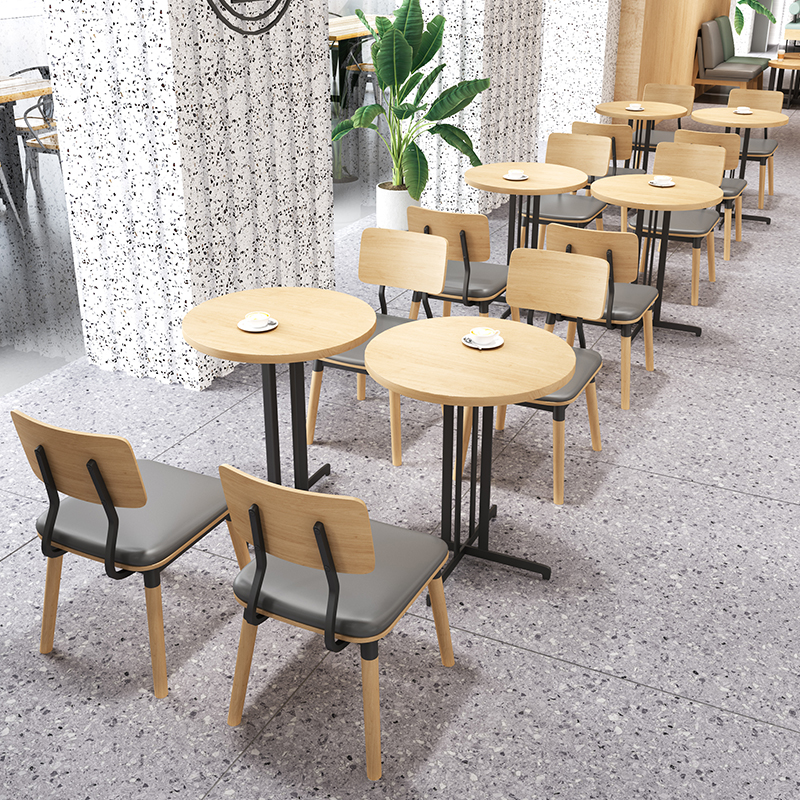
x,y
253,23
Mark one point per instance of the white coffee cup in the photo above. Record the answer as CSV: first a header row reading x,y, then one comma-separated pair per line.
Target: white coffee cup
x,y
662,180
515,173
258,319
636,106
743,110
483,335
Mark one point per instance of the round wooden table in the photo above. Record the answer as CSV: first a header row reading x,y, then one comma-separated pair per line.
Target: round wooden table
x,y
542,179
778,66
650,113
635,191
426,360
312,323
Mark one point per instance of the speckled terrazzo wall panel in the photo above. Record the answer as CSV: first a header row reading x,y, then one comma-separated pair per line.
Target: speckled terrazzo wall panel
x,y
112,73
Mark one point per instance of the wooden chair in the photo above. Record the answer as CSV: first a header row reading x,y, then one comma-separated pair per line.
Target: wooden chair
x,y
732,187
43,138
761,150
630,303
468,242
590,154
574,286
703,163
405,260
133,516
678,95
331,570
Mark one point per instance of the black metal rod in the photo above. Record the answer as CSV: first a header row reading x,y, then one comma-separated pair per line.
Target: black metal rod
x,y
486,477
447,475
297,389
270,394
459,473
512,225
646,152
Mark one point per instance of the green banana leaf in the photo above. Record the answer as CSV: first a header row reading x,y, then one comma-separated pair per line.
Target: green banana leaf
x,y
383,24
430,43
393,59
415,170
365,115
374,50
456,98
738,20
759,9
342,129
406,110
408,21
365,22
455,137
427,83
409,86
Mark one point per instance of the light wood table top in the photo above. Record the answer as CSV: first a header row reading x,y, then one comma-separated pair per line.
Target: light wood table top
x,y
22,86
340,28
650,110
728,118
426,360
312,323
542,178
785,63
635,191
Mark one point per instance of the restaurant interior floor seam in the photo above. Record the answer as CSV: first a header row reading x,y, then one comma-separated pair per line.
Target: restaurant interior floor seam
x,y
660,661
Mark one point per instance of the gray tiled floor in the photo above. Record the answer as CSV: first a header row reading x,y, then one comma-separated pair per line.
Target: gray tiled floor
x,y
660,661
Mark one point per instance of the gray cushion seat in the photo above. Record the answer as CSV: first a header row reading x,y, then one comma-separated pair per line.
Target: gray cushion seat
x,y
755,60
623,171
355,357
734,72
587,362
150,534
732,187
656,137
631,300
570,208
368,604
761,148
486,281
687,224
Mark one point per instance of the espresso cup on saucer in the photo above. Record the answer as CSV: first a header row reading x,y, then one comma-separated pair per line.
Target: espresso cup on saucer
x,y
743,110
635,107
483,335
662,180
258,319
516,173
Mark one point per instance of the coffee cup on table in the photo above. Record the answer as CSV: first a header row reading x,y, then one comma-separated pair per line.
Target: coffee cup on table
x,y
743,110
516,173
662,180
781,53
483,335
635,106
258,319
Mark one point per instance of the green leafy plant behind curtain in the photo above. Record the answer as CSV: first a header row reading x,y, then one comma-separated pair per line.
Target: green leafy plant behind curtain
x,y
738,16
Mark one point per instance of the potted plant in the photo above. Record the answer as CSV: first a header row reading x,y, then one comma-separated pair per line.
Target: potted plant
x,y
738,16
401,49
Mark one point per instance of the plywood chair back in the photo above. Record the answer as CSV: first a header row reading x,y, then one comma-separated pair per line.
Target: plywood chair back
x,y
678,95
622,136
288,517
403,259
67,454
449,225
558,283
756,98
730,141
699,161
624,248
589,154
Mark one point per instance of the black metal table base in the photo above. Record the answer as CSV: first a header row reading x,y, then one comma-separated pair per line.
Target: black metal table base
x,y
523,226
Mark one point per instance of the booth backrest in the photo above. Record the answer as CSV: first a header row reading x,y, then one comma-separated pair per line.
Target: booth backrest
x,y
726,34
713,53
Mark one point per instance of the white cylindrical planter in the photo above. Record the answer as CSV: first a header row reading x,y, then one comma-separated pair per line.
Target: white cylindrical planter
x,y
391,205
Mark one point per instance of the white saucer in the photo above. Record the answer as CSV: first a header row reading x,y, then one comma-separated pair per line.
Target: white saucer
x,y
245,325
631,108
492,345
743,113
661,185
515,178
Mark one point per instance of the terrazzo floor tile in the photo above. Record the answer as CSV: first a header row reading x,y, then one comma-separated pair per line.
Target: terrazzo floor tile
x,y
19,516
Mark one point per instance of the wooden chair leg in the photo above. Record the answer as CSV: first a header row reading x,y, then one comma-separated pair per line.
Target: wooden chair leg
x,y
361,386
446,308
558,461
414,311
624,215
439,608
394,424
240,549
695,275
515,314
762,171
313,405
599,223
738,212
155,629
572,327
712,265
625,371
52,584
726,238
771,168
244,659
483,313
500,420
594,416
549,326
649,358
540,243
372,716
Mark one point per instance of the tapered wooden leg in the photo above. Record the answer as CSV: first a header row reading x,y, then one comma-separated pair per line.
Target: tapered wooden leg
x,y
625,371
771,167
439,608
414,311
695,275
624,214
52,584
155,628
514,314
239,548
738,211
313,405
446,308
599,223
540,243
712,266
649,359
483,313
558,461
500,421
762,172
726,239
594,416
549,326
394,423
372,716
572,327
361,386
244,658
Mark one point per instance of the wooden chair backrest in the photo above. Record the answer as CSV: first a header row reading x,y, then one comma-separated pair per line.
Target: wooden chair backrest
x,y
621,134
624,247
589,154
756,98
558,283
68,453
403,259
288,517
676,94
449,225
690,161
729,141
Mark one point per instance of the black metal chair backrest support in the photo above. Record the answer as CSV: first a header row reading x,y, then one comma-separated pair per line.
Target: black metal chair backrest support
x,y
43,71
462,234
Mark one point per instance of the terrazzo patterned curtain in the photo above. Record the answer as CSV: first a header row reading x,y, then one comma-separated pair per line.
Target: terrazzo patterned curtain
x,y
196,162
